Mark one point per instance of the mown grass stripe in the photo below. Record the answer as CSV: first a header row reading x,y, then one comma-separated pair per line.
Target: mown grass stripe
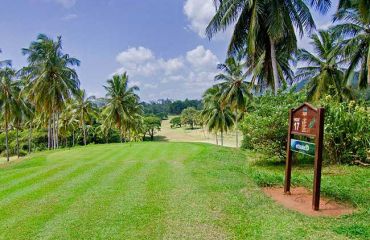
x,y
44,185
66,195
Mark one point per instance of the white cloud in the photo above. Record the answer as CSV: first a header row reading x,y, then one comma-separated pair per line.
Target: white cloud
x,y
135,55
201,58
69,17
199,13
178,77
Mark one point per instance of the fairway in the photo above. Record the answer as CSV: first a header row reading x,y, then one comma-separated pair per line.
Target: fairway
x,y
146,191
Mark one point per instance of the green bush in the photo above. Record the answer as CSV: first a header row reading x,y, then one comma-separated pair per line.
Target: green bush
x,y
347,129
175,122
265,124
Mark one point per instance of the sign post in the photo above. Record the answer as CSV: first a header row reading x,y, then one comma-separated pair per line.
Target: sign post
x,y
308,121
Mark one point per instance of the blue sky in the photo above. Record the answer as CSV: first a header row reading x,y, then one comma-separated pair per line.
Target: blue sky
x,y
160,43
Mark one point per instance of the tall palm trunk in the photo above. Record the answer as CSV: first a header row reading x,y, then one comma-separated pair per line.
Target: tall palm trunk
x,y
236,128
57,130
49,133
6,140
216,138
84,131
368,67
274,66
222,138
73,138
17,139
30,139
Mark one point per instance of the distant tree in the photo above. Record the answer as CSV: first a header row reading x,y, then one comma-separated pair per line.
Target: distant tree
x,y
216,116
122,103
189,116
175,122
235,89
85,109
151,125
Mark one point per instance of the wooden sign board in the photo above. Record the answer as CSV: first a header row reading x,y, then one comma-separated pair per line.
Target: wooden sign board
x,y
308,121
304,121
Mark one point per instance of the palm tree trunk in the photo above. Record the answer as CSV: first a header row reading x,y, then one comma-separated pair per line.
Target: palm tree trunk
x,y
84,132
17,140
274,66
6,141
49,134
222,138
73,138
30,139
53,139
57,130
236,129
368,67
216,139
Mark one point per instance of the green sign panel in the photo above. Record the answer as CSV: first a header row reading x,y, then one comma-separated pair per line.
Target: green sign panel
x,y
302,147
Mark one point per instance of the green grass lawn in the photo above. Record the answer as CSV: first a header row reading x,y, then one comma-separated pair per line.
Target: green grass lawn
x,y
163,191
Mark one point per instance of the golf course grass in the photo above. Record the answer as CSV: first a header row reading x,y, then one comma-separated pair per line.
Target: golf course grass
x,y
157,190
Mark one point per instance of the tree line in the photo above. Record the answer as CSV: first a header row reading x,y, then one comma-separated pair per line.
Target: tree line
x,y
45,96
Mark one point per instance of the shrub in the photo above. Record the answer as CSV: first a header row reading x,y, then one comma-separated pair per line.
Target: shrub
x,y
347,129
265,124
175,122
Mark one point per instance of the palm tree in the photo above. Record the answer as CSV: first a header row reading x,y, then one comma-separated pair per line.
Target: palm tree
x,y
235,89
356,29
323,72
85,109
264,26
52,80
122,102
8,101
22,112
217,117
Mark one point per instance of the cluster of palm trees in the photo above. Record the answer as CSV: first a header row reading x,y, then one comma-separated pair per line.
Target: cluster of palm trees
x,y
46,94
263,49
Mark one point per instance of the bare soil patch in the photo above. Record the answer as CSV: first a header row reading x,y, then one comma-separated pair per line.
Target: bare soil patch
x,y
300,200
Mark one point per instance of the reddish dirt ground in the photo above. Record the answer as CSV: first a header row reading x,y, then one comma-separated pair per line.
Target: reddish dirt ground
x,y
300,200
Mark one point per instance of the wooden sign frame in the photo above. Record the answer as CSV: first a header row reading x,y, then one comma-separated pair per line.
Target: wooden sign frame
x,y
308,121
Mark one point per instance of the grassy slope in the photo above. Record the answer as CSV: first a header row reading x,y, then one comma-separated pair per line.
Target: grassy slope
x,y
154,191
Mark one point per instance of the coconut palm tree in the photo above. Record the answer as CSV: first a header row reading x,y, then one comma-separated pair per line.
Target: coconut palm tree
x,y
8,100
21,113
85,109
122,102
52,80
322,73
356,29
217,116
235,89
264,26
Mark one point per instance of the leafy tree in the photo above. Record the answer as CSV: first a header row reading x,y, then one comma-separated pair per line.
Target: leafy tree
x,y
217,117
151,125
235,89
189,116
52,80
175,122
264,27
323,73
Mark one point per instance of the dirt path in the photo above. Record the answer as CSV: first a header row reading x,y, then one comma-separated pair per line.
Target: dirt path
x,y
196,135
